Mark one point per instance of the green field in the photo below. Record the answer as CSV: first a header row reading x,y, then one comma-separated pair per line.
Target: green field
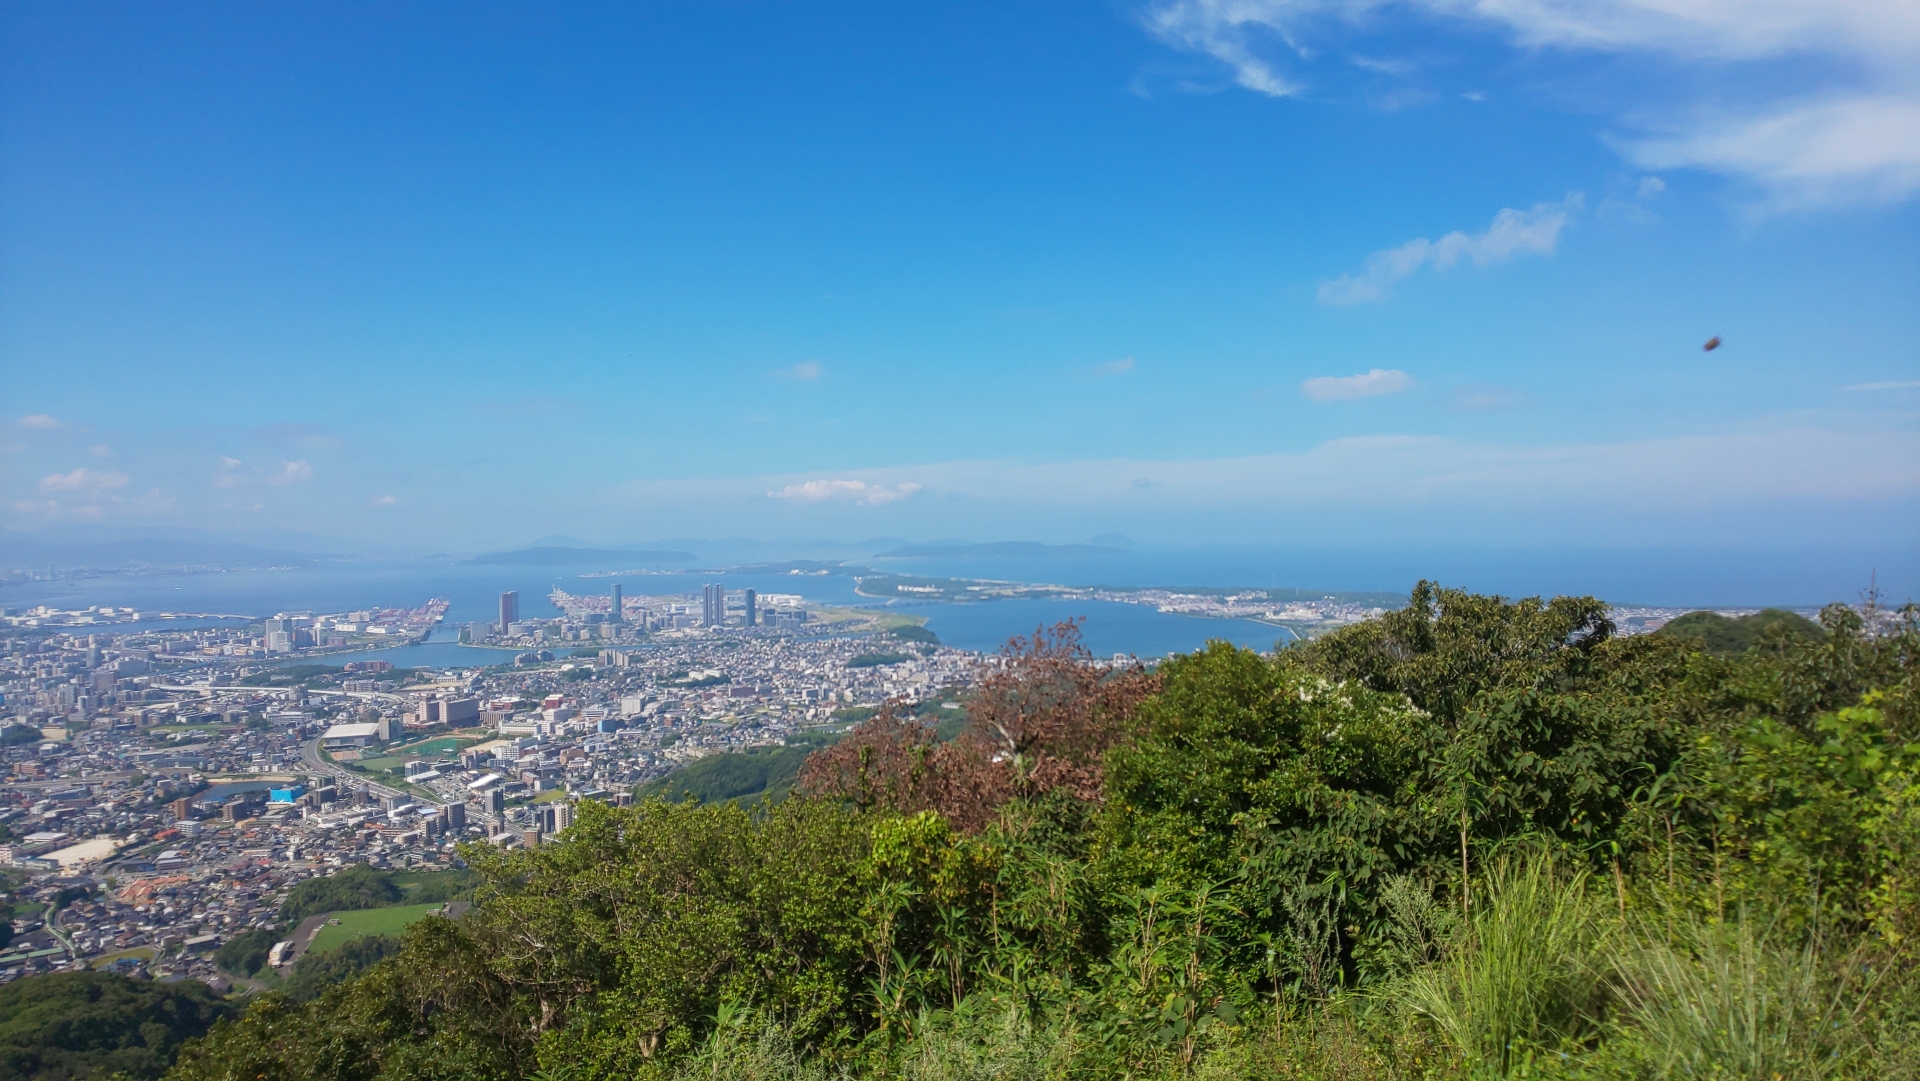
x,y
432,748
398,756
368,921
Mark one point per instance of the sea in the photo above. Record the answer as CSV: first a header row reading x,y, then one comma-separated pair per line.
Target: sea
x,y
1696,578
473,592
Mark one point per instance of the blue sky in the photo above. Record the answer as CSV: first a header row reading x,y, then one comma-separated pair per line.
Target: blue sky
x,y
1288,271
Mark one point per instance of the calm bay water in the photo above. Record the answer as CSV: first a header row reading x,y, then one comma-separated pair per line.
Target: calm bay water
x,y
1110,627
1686,577
474,595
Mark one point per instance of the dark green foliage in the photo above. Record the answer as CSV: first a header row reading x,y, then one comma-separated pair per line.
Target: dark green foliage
x,y
314,973
733,775
1538,849
1728,635
71,894
90,1024
915,634
431,1012
246,953
13,735
1263,774
355,887
875,660
948,724
576,675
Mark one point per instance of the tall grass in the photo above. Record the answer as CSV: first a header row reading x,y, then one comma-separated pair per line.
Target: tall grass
x,y
1525,970
1725,1002
746,1053
1002,1046
992,1045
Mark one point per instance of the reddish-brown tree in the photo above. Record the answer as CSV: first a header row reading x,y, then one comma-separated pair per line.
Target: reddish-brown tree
x,y
1041,717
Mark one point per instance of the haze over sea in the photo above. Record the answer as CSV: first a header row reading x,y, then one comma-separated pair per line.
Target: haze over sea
x,y
1624,576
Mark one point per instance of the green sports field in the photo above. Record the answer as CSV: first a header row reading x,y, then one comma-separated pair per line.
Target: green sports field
x,y
369,921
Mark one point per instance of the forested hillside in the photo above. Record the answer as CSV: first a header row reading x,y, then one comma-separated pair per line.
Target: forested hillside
x,y
1471,838
88,1024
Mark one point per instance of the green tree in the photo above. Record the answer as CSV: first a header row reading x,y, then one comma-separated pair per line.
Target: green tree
x,y
355,887
246,953
88,1024
1729,635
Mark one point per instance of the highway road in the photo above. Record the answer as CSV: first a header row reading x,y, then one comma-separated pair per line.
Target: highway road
x,y
310,755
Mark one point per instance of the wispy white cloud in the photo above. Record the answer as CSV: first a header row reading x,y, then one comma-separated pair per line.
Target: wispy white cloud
x,y
1371,384
1850,136
1902,384
230,475
1484,398
39,422
845,491
1840,149
1114,367
1220,28
83,480
806,371
100,450
290,473
1512,232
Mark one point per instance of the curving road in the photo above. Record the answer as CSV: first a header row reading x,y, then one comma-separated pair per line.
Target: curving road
x,y
310,756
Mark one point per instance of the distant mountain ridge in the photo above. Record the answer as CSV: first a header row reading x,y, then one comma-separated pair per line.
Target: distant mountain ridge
x,y
20,553
556,556
997,550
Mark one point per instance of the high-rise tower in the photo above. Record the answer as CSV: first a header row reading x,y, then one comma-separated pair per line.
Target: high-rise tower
x,y
751,596
617,614
509,609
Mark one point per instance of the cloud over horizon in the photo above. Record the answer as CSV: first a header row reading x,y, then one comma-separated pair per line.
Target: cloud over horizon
x,y
1696,484
82,480
844,491
1368,384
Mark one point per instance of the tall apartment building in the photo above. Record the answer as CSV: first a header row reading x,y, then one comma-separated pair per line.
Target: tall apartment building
x,y
509,609
554,817
713,605
751,619
616,614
